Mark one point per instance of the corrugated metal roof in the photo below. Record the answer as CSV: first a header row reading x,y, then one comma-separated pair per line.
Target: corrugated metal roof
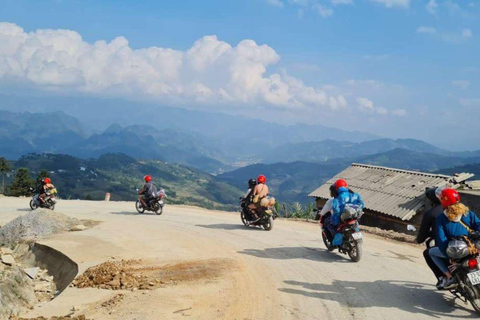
x,y
394,192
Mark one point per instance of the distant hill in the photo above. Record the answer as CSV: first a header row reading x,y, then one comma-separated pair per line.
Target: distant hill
x,y
413,160
238,137
470,168
330,149
146,142
120,175
25,132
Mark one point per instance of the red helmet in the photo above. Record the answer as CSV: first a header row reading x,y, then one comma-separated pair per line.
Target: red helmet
x,y
340,183
448,197
47,180
147,178
261,179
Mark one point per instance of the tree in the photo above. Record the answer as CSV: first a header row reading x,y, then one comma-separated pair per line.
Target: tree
x,y
4,168
21,183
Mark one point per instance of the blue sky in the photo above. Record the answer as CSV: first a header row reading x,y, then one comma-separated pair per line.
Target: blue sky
x,y
397,68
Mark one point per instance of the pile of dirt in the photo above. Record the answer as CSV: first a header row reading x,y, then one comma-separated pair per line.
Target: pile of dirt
x,y
133,274
34,225
113,302
21,286
114,276
390,234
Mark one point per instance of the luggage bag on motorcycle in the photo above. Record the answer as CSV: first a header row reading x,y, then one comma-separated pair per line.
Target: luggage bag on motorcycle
x,y
351,211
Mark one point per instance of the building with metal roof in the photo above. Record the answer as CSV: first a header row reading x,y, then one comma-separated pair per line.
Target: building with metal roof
x,y
399,194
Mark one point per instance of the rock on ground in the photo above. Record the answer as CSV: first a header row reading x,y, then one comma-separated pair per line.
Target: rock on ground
x,y
35,224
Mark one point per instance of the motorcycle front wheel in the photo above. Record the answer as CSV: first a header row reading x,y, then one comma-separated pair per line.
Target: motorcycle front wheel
x,y
33,205
159,210
244,219
139,207
355,253
327,242
268,224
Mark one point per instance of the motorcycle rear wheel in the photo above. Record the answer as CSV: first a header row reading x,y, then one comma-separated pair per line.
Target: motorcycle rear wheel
x,y
33,205
355,253
473,293
139,207
268,224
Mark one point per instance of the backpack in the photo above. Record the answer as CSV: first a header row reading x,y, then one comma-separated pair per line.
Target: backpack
x,y
152,191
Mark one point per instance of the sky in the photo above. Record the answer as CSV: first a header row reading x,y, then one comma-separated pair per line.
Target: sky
x,y
396,68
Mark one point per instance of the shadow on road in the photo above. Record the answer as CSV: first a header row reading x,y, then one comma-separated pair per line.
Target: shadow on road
x,y
412,297
225,226
24,209
285,253
127,213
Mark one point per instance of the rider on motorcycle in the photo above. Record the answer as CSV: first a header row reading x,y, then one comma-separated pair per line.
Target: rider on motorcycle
x,y
343,197
249,194
260,191
428,230
45,186
456,221
148,192
325,213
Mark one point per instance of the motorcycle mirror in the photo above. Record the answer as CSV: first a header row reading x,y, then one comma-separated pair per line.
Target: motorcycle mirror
x,y
411,228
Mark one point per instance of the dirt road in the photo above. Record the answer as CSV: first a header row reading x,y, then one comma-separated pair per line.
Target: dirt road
x,y
285,273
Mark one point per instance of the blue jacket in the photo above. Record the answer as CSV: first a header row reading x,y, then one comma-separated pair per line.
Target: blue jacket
x,y
447,229
344,196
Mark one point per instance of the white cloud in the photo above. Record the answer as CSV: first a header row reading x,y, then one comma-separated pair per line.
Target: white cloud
x,y
393,3
323,11
382,111
428,30
467,33
432,7
277,3
365,104
462,84
338,103
211,72
399,112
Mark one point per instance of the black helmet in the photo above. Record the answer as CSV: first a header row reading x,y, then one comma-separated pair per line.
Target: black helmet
x,y
252,183
430,193
333,191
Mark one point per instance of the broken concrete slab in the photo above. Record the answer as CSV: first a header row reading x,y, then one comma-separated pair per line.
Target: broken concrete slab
x,y
31,272
8,259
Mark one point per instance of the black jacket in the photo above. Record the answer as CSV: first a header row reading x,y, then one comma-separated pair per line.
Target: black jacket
x,y
427,227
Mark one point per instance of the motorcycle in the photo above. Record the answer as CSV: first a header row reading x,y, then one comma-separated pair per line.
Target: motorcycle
x,y
466,272
49,199
155,205
352,238
266,215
